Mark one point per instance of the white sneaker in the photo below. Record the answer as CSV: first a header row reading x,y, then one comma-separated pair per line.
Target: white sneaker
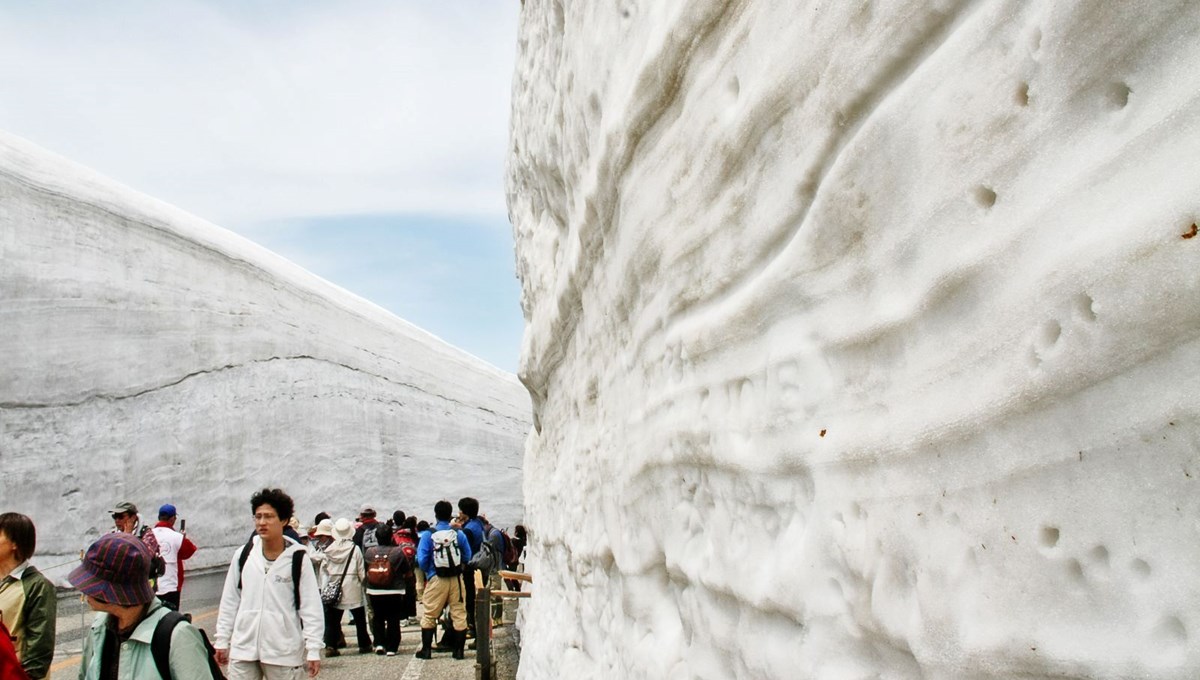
x,y
391,654
379,649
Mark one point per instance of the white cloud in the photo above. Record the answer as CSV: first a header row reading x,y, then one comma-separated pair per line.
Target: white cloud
x,y
246,112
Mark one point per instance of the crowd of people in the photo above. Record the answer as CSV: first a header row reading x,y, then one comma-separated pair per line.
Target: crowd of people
x,y
284,598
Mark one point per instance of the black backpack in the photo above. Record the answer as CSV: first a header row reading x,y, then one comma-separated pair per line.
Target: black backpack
x,y
297,565
160,646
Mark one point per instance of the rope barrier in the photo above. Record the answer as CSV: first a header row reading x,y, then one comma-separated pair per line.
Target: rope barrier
x,y
64,564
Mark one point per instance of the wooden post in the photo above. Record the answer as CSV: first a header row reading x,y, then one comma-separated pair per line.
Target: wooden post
x,y
484,668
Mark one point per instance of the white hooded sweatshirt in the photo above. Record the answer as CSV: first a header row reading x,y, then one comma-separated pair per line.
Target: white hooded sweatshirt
x,y
260,622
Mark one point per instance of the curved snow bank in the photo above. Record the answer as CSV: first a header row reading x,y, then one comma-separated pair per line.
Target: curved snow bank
x,y
863,338
153,357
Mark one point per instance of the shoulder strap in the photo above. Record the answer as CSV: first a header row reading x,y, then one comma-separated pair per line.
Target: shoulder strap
x,y
160,643
297,566
242,560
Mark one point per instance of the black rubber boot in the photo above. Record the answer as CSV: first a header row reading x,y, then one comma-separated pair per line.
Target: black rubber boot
x,y
426,650
460,639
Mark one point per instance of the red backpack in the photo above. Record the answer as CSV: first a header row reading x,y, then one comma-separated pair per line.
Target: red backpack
x,y
408,543
511,554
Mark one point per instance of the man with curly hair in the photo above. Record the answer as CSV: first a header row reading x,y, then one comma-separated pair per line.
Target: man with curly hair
x,y
271,618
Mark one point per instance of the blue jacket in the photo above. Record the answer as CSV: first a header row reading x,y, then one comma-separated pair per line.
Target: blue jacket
x,y
425,549
474,530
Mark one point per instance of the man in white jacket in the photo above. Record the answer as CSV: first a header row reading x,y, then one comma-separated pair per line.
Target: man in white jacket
x,y
269,626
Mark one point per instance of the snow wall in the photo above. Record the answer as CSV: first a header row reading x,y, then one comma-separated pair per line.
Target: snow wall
x,y
150,356
863,338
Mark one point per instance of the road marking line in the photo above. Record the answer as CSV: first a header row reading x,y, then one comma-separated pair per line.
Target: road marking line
x,y
413,670
74,661
65,663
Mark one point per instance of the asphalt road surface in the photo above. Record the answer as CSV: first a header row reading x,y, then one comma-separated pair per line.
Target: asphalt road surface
x,y
202,593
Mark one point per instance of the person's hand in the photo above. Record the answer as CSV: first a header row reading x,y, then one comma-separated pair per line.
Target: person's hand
x,y
314,667
222,657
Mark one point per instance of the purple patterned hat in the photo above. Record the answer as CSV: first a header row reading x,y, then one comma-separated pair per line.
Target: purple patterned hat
x,y
115,569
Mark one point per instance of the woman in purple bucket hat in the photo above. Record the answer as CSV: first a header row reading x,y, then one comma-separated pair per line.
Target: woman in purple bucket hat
x,y
115,578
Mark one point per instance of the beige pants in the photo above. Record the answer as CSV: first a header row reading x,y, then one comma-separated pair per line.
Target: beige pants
x,y
255,670
439,592
496,584
420,574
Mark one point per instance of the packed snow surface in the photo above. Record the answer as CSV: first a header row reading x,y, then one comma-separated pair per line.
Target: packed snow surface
x,y
863,337
152,357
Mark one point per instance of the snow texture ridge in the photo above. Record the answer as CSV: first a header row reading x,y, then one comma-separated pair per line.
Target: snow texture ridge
x,y
863,338
153,357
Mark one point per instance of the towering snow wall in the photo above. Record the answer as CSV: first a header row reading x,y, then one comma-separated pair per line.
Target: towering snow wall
x,y
152,357
863,338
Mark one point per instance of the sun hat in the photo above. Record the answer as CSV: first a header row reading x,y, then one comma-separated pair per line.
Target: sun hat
x,y
123,507
325,527
116,570
343,528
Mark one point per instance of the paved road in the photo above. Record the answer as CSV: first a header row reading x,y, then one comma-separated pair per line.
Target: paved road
x,y
201,594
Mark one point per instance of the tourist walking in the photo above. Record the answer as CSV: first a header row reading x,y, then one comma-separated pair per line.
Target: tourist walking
x,y
28,603
387,572
174,547
126,520
491,577
441,555
270,619
322,538
364,534
344,564
472,526
114,577
406,539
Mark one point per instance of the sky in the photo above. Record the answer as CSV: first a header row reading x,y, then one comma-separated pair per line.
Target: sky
x,y
365,141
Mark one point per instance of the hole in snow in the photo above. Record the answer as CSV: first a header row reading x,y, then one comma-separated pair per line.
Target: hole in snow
x,y
1086,306
735,87
1140,568
984,196
1049,537
1035,40
1117,96
1171,630
1021,96
1033,359
1075,570
836,587
1050,333
1099,555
